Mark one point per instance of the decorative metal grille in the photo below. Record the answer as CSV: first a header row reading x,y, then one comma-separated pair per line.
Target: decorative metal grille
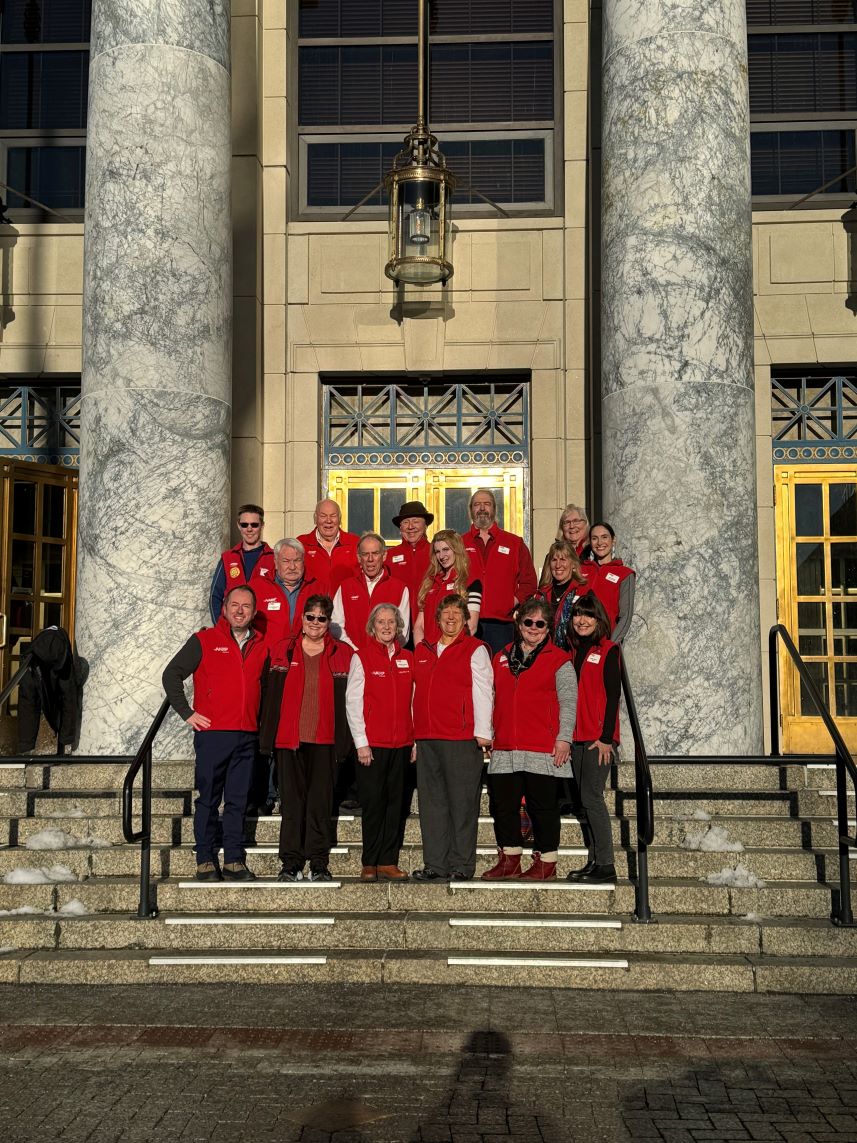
x,y
41,423
414,424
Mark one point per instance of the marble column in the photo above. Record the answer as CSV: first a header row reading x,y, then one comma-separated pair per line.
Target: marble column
x,y
677,373
156,412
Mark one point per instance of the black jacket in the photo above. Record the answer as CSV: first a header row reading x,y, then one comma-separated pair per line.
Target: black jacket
x,y
54,687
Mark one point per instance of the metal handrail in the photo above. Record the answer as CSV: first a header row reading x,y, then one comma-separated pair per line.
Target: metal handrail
x,y
845,767
146,910
26,663
645,802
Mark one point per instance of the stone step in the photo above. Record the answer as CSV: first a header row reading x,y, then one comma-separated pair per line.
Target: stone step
x,y
717,803
104,776
100,804
13,803
13,775
688,972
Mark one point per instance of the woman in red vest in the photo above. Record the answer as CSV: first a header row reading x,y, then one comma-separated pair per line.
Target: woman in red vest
x,y
611,580
534,707
378,704
300,715
453,695
596,732
448,572
563,582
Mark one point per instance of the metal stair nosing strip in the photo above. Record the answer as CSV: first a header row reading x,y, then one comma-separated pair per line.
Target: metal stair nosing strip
x,y
258,919
259,883
467,922
237,959
537,962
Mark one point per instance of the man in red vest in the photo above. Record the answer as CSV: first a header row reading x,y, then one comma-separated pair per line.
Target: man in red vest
x,y
281,599
329,553
502,561
358,594
409,560
250,556
226,662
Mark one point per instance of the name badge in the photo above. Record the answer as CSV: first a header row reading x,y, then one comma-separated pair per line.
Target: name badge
x,y
398,559
595,657
450,587
274,605
402,663
263,571
504,659
504,551
612,577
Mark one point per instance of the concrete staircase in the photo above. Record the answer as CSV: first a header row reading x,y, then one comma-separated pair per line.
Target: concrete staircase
x,y
771,938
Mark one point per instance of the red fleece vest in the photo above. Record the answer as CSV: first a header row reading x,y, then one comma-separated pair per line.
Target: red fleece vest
x,y
288,656
233,566
443,690
499,572
272,608
526,708
226,684
387,692
592,697
605,580
357,603
410,565
443,587
329,569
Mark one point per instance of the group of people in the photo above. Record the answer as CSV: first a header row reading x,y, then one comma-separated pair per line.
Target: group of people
x,y
434,657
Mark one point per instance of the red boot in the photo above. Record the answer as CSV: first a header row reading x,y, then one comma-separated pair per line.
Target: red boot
x,y
508,865
540,870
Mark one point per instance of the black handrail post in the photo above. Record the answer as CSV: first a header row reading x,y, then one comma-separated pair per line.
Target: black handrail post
x,y
844,917
642,908
645,803
145,910
774,689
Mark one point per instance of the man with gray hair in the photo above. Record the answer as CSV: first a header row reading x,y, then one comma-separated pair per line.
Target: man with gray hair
x,y
358,594
281,599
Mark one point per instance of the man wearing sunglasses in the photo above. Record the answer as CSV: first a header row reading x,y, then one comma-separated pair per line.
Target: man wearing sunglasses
x,y
226,662
250,556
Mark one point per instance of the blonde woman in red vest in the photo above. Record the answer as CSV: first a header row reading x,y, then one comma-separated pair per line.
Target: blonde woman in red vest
x,y
596,732
448,573
611,580
304,717
453,698
563,582
378,704
535,692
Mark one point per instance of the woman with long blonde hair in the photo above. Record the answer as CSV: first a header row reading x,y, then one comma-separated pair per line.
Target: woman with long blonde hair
x,y
562,584
448,573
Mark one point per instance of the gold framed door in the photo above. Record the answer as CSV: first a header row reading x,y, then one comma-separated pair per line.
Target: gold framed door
x,y
816,520
38,517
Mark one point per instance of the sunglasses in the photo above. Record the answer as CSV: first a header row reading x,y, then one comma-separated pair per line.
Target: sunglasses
x,y
315,618
249,524
539,624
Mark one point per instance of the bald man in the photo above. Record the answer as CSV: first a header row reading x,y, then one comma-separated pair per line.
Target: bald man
x,y
330,555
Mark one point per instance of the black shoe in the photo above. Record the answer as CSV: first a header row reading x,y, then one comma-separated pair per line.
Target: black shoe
x,y
350,804
457,875
428,875
599,874
208,871
576,874
238,871
269,809
320,873
291,873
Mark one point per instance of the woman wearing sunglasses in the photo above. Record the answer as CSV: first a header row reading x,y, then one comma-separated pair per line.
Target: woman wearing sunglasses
x,y
304,716
534,711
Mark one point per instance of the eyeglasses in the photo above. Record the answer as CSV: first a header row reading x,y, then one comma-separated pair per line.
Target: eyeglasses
x,y
249,524
315,618
539,624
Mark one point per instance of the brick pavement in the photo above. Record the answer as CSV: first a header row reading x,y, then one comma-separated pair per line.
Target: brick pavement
x,y
324,1064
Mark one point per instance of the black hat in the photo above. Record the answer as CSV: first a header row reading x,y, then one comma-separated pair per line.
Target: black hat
x,y
413,508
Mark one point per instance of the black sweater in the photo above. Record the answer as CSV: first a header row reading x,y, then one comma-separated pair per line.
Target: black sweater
x,y
612,683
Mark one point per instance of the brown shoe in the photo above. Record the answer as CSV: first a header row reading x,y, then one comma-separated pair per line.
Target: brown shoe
x,y
391,873
369,873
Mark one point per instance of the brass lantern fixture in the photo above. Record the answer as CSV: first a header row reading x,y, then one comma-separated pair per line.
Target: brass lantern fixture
x,y
420,191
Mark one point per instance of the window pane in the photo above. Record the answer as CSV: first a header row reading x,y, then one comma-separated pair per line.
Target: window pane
x,y
24,508
361,510
801,11
843,569
812,635
23,556
818,674
845,675
52,612
446,17
21,615
53,510
843,510
55,176
52,568
45,21
845,628
456,503
796,162
810,569
808,510
392,500
43,89
803,72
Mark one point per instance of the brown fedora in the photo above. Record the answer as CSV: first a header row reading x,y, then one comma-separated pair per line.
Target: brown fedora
x,y
413,508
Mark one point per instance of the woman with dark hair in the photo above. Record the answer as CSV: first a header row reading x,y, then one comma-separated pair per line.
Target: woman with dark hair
x,y
304,716
596,732
611,580
563,581
453,696
378,704
535,692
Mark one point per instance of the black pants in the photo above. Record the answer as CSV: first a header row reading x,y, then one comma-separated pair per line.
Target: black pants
x,y
305,778
496,633
449,780
594,818
224,771
542,794
379,787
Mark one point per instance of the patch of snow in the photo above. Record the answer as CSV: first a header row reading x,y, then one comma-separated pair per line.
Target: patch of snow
x,y
59,839
700,816
73,908
7,948
752,917
715,839
40,875
738,878
20,912
75,812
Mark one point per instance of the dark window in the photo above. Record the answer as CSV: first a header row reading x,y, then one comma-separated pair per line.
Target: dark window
x,y
796,162
43,90
771,12
803,73
45,21
52,175
350,18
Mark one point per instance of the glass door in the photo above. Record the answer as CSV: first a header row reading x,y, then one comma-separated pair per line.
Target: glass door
x,y
817,598
37,560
